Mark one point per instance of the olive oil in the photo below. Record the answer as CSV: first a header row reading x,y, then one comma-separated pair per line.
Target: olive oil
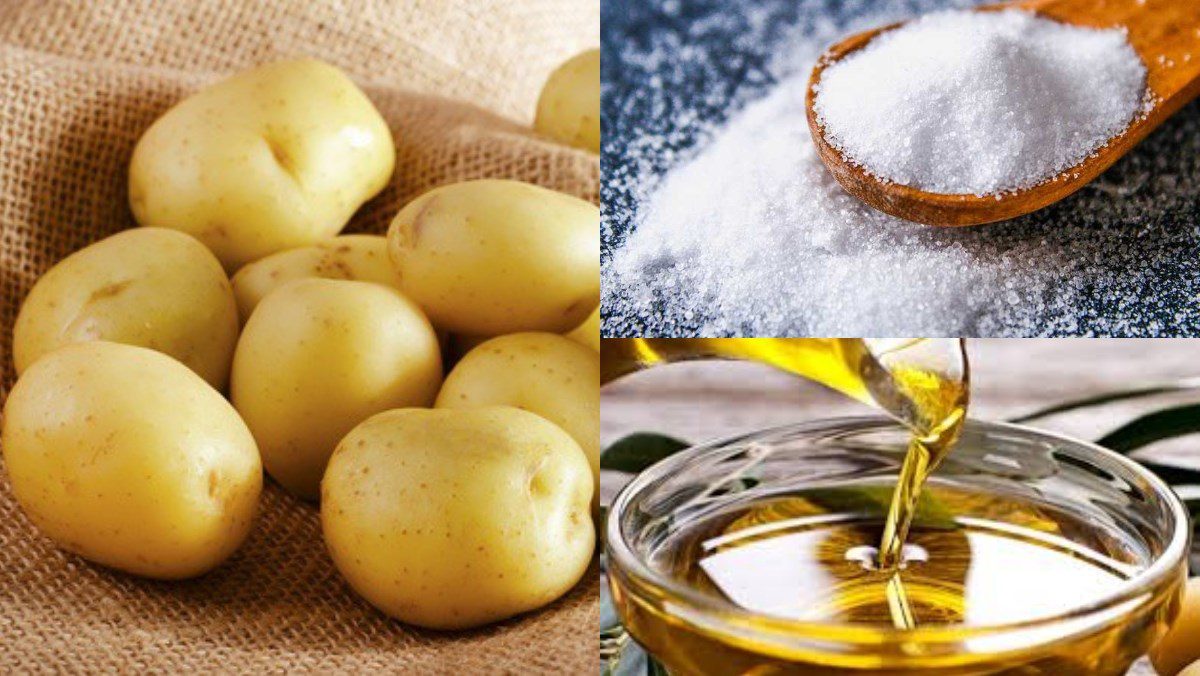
x,y
941,575
921,382
972,562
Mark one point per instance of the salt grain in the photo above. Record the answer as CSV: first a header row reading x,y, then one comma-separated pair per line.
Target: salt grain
x,y
980,102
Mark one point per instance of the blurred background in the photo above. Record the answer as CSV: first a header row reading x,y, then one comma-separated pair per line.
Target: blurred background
x,y
700,401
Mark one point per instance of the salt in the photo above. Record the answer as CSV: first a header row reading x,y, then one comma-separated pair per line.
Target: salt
x,y
978,103
728,224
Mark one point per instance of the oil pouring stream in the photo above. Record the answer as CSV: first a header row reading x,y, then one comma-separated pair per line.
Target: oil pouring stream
x,y
921,382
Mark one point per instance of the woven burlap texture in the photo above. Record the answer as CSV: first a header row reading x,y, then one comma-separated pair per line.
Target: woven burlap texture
x,y
457,81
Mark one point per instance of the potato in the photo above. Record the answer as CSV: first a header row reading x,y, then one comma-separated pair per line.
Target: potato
x,y
569,107
588,333
150,287
492,257
1181,646
319,356
127,458
453,519
1192,669
272,158
542,373
359,257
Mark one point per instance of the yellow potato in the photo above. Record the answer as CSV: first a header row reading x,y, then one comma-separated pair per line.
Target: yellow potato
x,y
569,107
150,287
1181,646
269,159
453,519
492,257
1192,669
319,356
588,333
542,373
359,257
125,457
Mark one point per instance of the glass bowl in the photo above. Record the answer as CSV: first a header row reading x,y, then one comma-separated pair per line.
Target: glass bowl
x,y
1112,502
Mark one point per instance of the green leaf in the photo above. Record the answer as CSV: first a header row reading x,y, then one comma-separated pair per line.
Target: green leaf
x,y
1172,474
602,529
609,621
620,655
630,660
636,452
635,661
1190,495
612,635
1108,398
1152,427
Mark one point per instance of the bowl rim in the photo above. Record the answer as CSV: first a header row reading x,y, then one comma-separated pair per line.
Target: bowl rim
x,y
712,611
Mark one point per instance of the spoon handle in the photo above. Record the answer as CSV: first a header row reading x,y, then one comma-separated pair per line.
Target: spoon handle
x,y
1165,33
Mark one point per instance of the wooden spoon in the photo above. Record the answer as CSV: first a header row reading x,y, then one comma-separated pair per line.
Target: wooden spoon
x,y
1165,34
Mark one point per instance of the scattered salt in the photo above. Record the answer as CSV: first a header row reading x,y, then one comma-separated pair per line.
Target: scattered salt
x,y
980,102
726,223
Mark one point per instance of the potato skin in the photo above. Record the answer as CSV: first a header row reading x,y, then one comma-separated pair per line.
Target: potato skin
x,y
319,356
588,333
454,519
127,458
149,287
362,258
542,373
271,158
568,109
491,257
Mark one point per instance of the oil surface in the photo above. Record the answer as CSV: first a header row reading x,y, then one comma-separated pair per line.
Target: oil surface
x,y
802,558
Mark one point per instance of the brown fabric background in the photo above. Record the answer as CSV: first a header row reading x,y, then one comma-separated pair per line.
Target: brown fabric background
x,y
79,81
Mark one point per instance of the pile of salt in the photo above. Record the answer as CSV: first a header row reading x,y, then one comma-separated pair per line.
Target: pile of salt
x,y
980,103
719,224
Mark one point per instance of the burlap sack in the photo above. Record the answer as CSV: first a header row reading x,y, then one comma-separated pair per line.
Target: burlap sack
x,y
79,82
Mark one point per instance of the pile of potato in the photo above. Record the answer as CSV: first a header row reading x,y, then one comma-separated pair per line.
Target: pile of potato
x,y
445,502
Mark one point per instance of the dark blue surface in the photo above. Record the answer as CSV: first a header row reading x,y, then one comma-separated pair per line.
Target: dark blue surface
x,y
637,101
728,64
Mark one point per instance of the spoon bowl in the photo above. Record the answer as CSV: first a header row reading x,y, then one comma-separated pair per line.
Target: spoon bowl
x,y
1164,33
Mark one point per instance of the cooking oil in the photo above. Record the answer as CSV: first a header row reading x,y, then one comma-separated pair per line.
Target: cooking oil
x,y
971,561
958,566
922,558
922,382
